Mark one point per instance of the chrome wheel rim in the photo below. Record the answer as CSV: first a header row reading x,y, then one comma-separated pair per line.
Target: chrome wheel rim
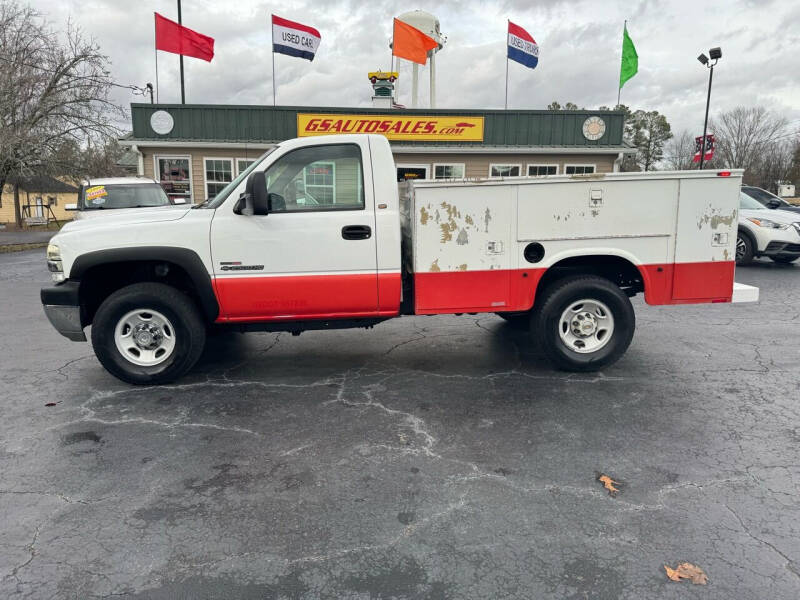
x,y
145,337
586,326
741,248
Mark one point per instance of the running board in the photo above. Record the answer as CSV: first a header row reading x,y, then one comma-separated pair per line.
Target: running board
x,y
744,293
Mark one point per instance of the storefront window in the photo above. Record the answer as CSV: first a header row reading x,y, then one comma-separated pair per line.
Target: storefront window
x,y
504,170
541,170
219,173
174,175
242,164
579,169
448,171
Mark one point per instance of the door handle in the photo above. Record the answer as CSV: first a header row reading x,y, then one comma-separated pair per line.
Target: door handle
x,y
356,232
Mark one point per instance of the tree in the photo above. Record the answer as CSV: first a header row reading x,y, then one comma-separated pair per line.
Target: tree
x,y
743,134
53,92
649,131
568,106
679,152
776,163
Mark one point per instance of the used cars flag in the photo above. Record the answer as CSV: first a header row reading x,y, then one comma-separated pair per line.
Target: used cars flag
x,y
294,39
410,43
522,48
175,38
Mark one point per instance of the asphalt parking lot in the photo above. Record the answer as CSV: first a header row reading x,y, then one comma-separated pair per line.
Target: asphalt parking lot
x,y
432,457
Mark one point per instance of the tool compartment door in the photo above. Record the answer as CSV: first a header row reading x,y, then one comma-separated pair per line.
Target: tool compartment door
x,y
705,240
462,247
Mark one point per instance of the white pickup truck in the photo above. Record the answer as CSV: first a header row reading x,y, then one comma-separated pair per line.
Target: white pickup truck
x,y
314,235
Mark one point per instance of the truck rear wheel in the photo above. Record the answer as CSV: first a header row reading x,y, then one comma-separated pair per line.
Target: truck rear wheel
x,y
583,323
148,333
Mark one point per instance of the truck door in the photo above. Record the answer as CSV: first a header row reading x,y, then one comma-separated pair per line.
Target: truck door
x,y
314,255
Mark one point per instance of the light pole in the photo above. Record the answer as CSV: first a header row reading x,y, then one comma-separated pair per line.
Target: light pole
x,y
715,54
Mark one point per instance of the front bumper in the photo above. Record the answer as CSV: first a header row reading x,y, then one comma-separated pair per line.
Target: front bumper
x,y
63,310
781,247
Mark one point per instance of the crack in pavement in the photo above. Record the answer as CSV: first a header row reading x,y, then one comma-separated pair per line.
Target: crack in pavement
x,y
30,548
788,565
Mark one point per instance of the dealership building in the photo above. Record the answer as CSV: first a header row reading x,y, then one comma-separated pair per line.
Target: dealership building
x,y
195,150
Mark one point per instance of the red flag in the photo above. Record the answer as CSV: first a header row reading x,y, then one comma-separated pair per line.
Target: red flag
x,y
410,43
175,38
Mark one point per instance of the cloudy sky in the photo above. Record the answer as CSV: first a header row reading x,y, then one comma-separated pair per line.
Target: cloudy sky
x,y
580,44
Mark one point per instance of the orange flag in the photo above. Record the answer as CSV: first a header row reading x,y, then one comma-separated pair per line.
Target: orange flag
x,y
410,43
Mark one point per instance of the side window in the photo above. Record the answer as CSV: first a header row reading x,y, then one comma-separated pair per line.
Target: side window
x,y
317,178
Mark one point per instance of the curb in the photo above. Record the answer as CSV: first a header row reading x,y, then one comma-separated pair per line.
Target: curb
x,y
6,248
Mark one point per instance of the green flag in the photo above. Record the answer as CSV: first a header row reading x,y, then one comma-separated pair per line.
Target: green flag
x,y
630,60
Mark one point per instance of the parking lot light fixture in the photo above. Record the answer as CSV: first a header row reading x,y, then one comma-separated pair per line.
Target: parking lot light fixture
x,y
715,54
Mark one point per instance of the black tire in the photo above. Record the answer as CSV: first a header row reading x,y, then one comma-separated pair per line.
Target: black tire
x,y
558,297
516,320
784,260
189,332
745,249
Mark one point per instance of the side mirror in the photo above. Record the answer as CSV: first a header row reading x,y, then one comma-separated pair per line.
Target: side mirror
x,y
71,206
256,193
774,203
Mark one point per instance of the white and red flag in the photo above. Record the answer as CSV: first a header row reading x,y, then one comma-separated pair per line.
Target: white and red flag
x,y
709,149
294,39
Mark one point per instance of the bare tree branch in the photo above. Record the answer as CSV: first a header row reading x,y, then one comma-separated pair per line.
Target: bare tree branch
x,y
54,93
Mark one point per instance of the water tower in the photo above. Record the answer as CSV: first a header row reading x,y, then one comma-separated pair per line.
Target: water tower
x,y
429,25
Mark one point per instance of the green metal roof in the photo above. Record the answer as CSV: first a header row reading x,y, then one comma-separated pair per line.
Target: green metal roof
x,y
260,124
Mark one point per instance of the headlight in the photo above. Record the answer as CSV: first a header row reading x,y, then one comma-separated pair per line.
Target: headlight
x,y
54,264
767,223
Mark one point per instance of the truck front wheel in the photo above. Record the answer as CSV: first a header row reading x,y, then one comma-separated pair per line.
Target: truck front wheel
x,y
148,333
583,323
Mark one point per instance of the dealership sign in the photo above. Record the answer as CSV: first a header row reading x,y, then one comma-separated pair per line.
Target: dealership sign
x,y
394,127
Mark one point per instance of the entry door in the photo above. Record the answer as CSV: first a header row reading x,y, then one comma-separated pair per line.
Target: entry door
x,y
39,208
314,255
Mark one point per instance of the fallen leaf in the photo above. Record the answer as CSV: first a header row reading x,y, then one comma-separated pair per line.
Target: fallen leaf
x,y
52,403
688,571
609,484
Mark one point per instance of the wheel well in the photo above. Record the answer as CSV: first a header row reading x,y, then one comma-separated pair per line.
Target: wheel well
x,y
749,236
100,281
616,269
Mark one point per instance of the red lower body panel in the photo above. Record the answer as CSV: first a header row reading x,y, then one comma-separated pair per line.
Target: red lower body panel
x,y
300,297
514,290
335,296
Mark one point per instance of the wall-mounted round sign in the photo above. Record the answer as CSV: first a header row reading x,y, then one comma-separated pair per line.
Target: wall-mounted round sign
x,y
161,122
594,128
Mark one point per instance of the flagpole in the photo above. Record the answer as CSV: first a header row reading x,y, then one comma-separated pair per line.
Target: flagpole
x,y
155,41
183,89
507,22
619,90
272,37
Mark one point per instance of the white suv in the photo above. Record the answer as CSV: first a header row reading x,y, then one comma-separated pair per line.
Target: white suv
x,y
98,195
766,232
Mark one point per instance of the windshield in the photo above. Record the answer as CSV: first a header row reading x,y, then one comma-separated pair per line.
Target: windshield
x,y
746,201
135,195
762,196
217,200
